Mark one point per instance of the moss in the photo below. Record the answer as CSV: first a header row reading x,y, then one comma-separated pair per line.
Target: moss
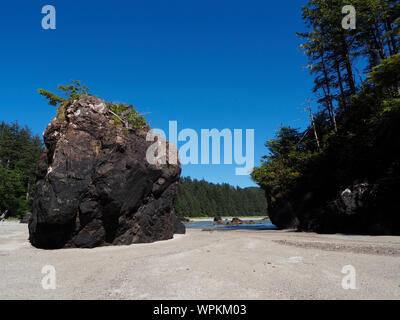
x,y
61,113
126,131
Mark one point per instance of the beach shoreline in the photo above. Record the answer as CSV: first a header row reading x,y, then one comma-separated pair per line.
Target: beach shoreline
x,y
205,265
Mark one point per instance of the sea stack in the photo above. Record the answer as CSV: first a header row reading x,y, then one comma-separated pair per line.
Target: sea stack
x,y
95,186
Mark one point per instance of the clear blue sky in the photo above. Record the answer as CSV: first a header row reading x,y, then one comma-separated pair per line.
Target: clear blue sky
x,y
207,64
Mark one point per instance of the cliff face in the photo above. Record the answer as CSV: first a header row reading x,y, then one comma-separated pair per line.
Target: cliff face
x,y
362,208
94,185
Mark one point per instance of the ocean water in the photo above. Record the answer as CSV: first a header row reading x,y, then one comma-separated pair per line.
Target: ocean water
x,y
264,225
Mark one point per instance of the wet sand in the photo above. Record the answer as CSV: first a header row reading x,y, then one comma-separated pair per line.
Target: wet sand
x,y
205,265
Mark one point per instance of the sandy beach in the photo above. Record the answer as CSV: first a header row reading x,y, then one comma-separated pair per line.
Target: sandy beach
x,y
205,265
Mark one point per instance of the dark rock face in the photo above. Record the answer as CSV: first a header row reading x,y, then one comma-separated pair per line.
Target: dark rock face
x,y
26,218
360,209
282,214
95,186
368,208
179,227
284,218
351,200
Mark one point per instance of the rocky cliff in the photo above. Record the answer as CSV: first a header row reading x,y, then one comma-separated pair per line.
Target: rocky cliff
x,y
361,208
94,185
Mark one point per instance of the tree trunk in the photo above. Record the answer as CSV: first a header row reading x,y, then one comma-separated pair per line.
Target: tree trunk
x,y
331,111
342,95
391,41
346,56
27,191
329,95
379,41
4,215
313,124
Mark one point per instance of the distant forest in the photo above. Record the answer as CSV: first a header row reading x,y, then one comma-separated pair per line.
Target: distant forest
x,y
203,199
20,151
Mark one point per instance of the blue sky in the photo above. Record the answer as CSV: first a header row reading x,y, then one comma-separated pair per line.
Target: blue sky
x,y
206,64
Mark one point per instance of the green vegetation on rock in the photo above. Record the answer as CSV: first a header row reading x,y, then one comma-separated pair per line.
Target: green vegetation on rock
x,y
70,91
121,114
124,114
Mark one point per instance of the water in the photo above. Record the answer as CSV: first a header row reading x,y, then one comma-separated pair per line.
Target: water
x,y
264,225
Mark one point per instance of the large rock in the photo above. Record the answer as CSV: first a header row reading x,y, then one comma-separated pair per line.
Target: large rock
x,y
363,208
283,217
94,185
282,213
370,208
179,227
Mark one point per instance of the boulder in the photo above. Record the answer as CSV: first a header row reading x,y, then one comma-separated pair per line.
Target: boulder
x,y
252,222
281,212
95,186
283,215
235,221
179,227
218,221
